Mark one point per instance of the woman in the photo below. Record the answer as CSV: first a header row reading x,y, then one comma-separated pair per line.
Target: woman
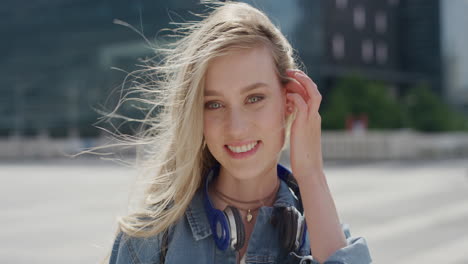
x,y
232,98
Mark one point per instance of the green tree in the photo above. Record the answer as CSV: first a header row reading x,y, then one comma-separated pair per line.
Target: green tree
x,y
430,114
356,96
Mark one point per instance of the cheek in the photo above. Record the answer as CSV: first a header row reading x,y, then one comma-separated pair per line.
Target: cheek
x,y
277,109
207,124
211,128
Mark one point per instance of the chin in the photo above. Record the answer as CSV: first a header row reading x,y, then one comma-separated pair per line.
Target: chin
x,y
249,170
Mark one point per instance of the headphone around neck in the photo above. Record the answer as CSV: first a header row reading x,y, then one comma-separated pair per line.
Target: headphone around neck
x,y
227,226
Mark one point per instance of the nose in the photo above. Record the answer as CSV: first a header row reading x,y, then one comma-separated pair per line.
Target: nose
x,y
237,123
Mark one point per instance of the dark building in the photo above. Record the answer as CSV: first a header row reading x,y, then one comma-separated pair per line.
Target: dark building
x,y
388,40
420,41
57,55
360,34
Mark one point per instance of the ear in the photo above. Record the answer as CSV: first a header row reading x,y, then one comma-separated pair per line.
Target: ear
x,y
287,104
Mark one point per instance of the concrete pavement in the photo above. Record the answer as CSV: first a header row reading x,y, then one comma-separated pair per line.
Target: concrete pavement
x,y
64,211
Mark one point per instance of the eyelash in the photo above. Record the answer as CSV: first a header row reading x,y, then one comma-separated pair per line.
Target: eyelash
x,y
260,98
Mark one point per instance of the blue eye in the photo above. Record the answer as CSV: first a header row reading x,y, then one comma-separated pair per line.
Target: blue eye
x,y
212,105
255,98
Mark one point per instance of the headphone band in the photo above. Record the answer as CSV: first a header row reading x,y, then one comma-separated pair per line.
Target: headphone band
x,y
227,232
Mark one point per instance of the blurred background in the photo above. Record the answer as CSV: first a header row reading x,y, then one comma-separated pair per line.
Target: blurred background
x,y
394,80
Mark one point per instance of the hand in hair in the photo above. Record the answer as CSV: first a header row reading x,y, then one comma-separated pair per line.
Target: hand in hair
x,y
303,98
323,225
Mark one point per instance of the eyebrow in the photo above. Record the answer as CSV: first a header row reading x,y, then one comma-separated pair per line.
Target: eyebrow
x,y
244,90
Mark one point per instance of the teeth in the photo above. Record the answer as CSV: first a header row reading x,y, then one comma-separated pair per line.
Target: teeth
x,y
243,148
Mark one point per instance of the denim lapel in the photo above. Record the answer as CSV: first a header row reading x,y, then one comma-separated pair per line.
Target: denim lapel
x,y
197,218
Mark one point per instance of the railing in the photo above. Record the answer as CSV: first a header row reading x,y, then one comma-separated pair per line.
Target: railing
x,y
336,145
375,145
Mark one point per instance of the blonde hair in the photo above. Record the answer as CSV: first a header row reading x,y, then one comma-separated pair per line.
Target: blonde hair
x,y
173,155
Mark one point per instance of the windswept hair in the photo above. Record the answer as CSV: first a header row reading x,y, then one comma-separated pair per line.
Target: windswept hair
x,y
173,156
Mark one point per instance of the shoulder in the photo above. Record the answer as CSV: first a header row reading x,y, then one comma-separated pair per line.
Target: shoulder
x,y
130,249
188,233
356,250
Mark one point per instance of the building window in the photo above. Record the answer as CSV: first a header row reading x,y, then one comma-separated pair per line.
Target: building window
x,y
367,50
393,2
341,4
338,46
359,17
381,22
381,52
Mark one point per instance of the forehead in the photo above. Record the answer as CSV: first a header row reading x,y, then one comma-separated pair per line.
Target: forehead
x,y
241,68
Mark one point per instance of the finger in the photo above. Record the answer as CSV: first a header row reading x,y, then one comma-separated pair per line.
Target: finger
x,y
292,72
300,104
294,86
311,89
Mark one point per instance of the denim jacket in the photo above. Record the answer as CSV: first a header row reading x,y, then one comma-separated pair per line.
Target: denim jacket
x,y
190,241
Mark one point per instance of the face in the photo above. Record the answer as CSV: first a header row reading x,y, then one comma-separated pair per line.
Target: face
x,y
244,112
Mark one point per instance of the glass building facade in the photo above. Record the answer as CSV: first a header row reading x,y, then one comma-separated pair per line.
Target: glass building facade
x,y
64,60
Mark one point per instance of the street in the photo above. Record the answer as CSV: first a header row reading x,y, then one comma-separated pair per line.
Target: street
x,y
65,211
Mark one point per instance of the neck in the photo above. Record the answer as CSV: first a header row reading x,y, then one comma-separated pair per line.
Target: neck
x,y
248,189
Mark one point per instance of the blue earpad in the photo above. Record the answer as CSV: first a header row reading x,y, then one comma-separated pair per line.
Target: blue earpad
x,y
217,219
220,229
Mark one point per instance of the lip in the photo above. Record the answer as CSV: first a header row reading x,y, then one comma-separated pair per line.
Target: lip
x,y
242,155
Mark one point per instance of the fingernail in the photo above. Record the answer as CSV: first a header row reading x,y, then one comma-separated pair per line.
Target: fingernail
x,y
299,73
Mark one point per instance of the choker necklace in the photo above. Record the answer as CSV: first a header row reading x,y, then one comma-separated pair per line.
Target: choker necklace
x,y
249,211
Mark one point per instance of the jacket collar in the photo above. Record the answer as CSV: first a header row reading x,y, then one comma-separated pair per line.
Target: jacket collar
x,y
196,214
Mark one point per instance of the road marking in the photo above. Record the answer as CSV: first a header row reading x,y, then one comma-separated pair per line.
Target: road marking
x,y
402,191
411,223
449,252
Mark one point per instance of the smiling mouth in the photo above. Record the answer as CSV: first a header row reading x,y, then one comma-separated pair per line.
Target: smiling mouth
x,y
243,148
243,151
